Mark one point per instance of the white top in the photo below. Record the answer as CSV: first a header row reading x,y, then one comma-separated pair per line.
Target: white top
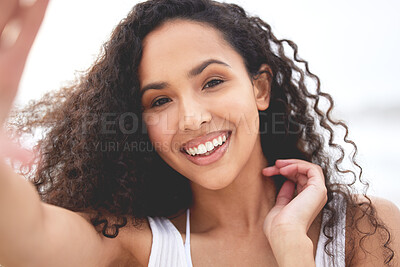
x,y
169,250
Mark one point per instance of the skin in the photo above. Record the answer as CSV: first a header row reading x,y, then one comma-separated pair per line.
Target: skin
x,y
194,109
235,206
187,107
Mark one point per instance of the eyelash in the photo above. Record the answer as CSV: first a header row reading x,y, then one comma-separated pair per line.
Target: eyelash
x,y
213,83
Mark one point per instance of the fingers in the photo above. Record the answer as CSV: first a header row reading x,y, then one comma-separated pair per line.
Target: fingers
x,y
299,170
310,201
271,171
285,194
304,174
309,180
32,18
8,9
19,23
20,26
294,170
26,3
274,170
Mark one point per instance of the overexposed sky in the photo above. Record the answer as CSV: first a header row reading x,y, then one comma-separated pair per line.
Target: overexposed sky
x,y
351,45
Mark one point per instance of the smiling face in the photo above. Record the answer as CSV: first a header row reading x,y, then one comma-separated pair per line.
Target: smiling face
x,y
196,89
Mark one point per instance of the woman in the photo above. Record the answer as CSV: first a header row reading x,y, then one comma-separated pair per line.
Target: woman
x,y
192,140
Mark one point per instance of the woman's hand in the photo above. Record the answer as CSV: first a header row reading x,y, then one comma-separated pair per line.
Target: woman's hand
x,y
19,24
289,220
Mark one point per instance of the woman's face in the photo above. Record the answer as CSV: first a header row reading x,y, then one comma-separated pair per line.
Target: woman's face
x,y
196,92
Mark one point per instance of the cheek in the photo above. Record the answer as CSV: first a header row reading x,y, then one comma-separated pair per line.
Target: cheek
x,y
243,111
160,130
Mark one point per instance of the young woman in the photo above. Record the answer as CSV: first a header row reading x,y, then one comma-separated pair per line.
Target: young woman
x,y
192,141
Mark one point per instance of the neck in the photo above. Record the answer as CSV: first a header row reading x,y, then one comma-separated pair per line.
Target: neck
x,y
243,204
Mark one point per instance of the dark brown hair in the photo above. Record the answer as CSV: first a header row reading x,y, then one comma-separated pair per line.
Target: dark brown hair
x,y
75,170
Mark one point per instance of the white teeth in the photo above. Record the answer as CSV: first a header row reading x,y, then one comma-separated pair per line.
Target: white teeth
x,y
215,142
191,151
219,140
208,146
202,149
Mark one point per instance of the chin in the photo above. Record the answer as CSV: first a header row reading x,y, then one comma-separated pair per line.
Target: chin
x,y
213,184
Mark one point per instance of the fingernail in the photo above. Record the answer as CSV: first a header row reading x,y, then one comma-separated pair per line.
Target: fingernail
x,y
26,3
10,33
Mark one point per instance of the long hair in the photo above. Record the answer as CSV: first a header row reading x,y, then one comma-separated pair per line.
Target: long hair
x,y
95,155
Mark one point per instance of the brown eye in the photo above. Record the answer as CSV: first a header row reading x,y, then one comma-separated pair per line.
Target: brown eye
x,y
213,83
159,102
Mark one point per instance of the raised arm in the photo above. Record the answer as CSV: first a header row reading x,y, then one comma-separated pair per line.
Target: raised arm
x,y
18,27
33,233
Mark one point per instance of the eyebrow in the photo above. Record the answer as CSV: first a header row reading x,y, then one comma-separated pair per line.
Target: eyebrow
x,y
192,73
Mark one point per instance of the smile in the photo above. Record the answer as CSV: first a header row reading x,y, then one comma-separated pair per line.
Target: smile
x,y
208,152
207,147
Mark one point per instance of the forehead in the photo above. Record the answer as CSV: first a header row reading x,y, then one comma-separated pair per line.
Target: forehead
x,y
178,45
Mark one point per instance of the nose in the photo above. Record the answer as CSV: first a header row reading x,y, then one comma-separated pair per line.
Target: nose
x,y
192,115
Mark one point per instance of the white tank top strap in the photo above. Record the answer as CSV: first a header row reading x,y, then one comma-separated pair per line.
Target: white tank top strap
x,y
187,241
167,249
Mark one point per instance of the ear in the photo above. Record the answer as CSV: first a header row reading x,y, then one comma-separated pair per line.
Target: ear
x,y
262,87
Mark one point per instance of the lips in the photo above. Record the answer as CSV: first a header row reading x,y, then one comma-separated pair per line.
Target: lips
x,y
212,156
203,139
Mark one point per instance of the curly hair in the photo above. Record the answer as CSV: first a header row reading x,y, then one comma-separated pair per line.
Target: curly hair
x,y
81,166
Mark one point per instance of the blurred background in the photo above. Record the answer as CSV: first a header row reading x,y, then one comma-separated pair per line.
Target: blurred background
x,y
351,45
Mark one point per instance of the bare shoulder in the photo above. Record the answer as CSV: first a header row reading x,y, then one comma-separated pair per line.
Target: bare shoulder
x,y
387,213
135,242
